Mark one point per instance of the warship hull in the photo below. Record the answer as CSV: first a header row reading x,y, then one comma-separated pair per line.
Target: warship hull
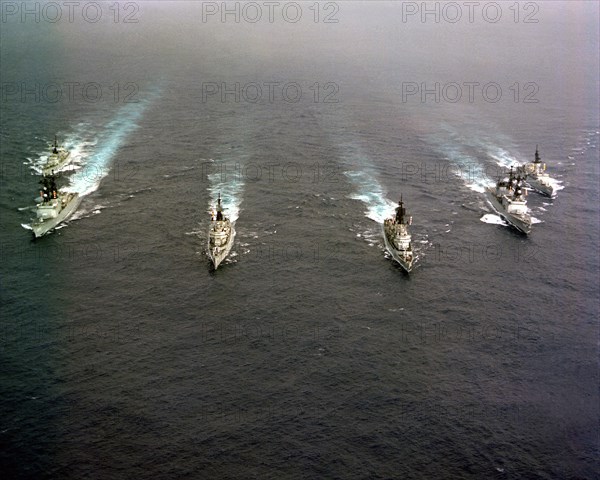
x,y
219,253
41,227
406,262
537,178
56,162
518,221
542,187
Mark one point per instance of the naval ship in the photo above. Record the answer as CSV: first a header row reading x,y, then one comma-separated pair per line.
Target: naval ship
x,y
54,206
508,199
397,239
220,235
536,176
58,159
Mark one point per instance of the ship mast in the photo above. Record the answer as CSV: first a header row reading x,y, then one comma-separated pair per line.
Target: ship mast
x,y
55,149
537,156
219,209
400,212
511,179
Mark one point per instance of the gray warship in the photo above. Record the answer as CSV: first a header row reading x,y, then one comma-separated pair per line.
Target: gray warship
x,y
507,197
220,235
397,239
53,207
536,176
59,158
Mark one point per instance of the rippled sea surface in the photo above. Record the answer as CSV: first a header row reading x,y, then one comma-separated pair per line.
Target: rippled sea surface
x,y
308,353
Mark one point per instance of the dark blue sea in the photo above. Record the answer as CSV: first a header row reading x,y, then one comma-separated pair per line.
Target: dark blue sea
x,y
309,353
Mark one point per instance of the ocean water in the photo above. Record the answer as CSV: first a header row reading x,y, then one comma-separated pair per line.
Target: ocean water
x,y
308,353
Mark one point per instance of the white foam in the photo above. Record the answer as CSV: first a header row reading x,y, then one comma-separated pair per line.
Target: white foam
x,y
465,167
493,219
77,215
556,184
370,192
97,155
502,157
230,187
